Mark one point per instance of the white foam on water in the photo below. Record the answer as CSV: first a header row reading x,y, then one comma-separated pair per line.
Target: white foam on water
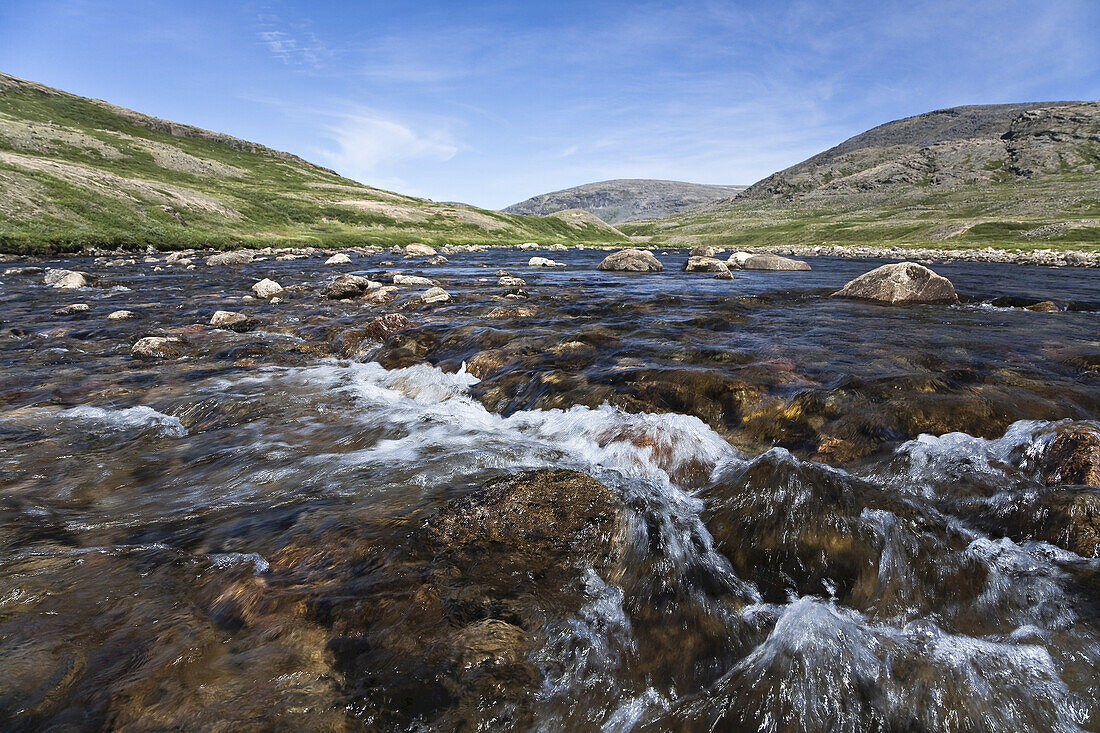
x,y
140,418
425,426
430,418
834,668
930,461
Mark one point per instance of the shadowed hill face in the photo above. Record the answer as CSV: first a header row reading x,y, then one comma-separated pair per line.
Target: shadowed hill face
x,y
77,171
1015,176
626,199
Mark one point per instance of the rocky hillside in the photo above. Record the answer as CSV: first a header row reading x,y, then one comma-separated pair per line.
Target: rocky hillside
x,y
76,171
1014,175
951,147
626,199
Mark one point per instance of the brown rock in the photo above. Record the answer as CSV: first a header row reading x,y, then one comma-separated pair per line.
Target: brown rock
x,y
776,263
705,264
904,283
380,328
345,286
1073,457
157,347
631,260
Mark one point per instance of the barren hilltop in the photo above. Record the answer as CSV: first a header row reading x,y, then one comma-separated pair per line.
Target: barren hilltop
x,y
626,199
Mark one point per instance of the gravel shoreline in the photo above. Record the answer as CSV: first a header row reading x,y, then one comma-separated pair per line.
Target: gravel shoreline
x,y
925,255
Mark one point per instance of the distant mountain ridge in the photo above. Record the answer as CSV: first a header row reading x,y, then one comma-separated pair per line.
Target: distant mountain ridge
x,y
76,171
626,199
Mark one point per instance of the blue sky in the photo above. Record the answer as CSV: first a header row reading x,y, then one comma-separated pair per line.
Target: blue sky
x,y
492,102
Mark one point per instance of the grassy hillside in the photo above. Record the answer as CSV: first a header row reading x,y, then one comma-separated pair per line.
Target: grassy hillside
x,y
76,172
1011,176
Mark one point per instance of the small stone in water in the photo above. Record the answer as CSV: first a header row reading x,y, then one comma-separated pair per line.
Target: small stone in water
x,y
73,309
435,295
123,315
232,321
267,288
156,347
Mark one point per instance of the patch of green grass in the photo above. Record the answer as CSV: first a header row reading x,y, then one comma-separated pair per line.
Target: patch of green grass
x,y
275,200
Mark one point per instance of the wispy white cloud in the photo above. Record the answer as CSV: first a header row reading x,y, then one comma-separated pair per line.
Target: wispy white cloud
x,y
370,145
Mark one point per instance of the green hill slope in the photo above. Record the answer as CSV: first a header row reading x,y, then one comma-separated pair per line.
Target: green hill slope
x,y
1021,176
76,171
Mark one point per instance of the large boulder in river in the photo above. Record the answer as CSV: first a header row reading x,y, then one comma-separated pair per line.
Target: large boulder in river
x,y
904,283
66,279
631,260
345,286
338,259
702,250
267,289
776,263
416,249
705,264
737,260
238,257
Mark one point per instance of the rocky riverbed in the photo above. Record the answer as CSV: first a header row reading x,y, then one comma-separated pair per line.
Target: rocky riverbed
x,y
469,490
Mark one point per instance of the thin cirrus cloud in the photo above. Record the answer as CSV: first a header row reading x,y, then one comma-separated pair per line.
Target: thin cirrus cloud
x,y
372,146
294,46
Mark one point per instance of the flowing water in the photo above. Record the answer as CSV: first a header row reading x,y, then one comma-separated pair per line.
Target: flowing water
x,y
811,514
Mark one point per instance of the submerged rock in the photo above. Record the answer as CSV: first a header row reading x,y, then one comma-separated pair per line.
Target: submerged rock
x,y
1073,457
631,260
773,262
157,347
267,289
24,271
904,283
381,327
537,523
